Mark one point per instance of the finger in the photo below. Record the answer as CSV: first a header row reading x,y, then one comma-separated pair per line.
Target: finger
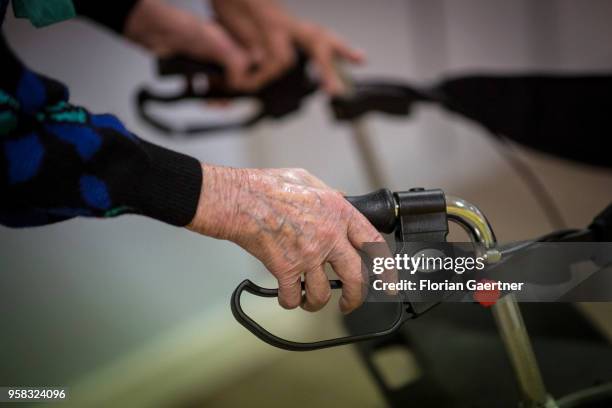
x,y
290,293
347,52
243,29
257,55
323,59
326,55
318,290
361,231
237,70
279,56
217,45
365,237
347,264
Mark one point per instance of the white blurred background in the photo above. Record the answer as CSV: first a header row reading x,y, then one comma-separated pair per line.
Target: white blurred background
x,y
106,306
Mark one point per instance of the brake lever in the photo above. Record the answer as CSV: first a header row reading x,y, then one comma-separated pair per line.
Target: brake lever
x,y
277,99
273,340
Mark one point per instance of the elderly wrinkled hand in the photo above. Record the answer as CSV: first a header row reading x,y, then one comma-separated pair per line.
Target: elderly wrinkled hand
x,y
294,224
270,34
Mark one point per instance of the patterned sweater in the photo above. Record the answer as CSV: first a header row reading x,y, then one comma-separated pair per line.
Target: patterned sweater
x,y
59,161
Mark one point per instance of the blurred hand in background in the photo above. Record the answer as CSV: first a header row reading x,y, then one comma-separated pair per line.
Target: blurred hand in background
x,y
270,35
254,40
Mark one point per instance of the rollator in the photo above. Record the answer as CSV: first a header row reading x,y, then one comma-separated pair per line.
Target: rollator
x,y
422,216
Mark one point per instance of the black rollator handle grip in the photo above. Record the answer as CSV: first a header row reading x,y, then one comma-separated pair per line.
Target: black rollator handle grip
x,y
379,207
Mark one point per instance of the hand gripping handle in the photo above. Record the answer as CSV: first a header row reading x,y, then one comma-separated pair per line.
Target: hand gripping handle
x,y
379,208
278,98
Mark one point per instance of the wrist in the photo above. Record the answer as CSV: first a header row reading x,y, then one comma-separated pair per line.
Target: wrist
x,y
218,206
166,184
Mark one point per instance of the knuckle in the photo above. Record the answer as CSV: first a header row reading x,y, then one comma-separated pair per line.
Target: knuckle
x,y
339,204
339,200
301,171
349,209
310,251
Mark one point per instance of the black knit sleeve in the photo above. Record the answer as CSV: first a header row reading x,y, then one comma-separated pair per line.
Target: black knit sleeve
x,y
112,14
59,161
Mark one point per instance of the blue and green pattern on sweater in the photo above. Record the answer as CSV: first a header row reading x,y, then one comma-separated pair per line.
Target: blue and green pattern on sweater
x,y
44,139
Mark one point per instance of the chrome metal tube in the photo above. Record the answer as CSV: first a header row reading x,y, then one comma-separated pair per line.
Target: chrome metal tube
x,y
506,310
